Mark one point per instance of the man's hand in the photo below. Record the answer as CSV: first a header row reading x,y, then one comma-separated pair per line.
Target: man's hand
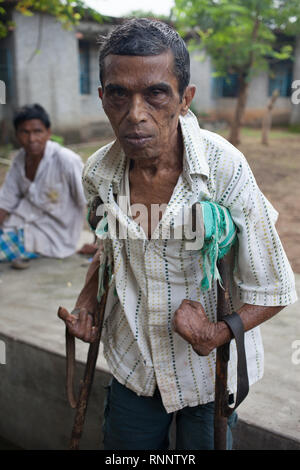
x,y
79,324
191,322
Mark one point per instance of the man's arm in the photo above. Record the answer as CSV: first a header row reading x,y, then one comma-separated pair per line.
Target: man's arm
x,y
3,215
191,322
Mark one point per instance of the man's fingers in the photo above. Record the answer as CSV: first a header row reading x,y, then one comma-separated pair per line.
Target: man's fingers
x,y
82,323
80,326
94,334
87,336
63,314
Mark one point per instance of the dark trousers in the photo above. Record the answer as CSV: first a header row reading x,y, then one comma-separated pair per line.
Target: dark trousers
x,y
135,422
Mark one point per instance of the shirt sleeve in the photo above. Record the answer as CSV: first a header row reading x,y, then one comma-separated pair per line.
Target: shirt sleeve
x,y
10,192
262,273
90,179
73,167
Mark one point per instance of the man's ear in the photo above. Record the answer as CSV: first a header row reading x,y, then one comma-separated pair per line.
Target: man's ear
x,y
100,92
187,98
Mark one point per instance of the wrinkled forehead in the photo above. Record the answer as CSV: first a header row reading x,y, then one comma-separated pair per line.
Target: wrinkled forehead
x,y
135,71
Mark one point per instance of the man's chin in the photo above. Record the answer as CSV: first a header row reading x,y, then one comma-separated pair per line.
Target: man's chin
x,y
35,152
140,154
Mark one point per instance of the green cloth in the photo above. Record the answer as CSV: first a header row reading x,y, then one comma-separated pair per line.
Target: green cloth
x,y
220,235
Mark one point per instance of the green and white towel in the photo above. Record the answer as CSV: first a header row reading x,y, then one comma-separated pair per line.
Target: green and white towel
x,y
220,235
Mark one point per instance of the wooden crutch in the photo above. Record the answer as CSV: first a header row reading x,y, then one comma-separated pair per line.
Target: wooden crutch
x,y
232,319
82,402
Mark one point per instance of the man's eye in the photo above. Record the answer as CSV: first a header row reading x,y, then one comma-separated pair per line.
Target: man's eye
x,y
156,92
117,93
120,93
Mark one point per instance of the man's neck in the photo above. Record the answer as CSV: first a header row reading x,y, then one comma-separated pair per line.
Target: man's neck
x,y
170,159
31,165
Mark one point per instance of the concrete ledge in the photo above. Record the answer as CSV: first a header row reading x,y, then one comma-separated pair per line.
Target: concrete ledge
x,y
247,436
35,414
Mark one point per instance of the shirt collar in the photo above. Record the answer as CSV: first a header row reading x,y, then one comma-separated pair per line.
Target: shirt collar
x,y
114,161
194,161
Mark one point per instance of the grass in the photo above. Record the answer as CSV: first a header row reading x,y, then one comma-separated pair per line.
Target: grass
x,y
256,133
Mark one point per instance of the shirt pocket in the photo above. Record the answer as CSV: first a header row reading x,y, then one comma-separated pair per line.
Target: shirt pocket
x,y
52,197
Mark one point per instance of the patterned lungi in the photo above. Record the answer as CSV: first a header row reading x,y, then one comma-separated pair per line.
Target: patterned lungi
x,y
12,246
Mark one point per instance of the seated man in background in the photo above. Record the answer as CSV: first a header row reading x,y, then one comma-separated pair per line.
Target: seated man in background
x,y
42,204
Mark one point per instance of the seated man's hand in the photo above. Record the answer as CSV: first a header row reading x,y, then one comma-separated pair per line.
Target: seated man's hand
x,y
192,324
79,324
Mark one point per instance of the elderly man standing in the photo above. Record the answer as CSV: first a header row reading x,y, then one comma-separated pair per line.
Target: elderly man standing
x,y
42,204
160,330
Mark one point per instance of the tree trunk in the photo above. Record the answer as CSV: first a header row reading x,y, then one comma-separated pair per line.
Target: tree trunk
x,y
235,129
267,120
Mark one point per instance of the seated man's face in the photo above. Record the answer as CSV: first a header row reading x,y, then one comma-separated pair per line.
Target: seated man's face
x,y
32,135
141,99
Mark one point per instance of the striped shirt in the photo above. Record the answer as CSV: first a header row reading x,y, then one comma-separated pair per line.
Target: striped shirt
x,y
152,276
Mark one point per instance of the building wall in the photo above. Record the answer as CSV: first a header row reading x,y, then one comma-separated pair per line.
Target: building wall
x,y
201,70
91,110
51,76
223,108
257,102
6,110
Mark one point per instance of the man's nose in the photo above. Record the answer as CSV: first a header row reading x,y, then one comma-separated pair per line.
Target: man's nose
x,y
137,110
31,137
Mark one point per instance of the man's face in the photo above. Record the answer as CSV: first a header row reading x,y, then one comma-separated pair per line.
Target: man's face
x,y
141,99
33,136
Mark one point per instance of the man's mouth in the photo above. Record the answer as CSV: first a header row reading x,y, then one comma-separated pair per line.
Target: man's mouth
x,y
34,146
137,139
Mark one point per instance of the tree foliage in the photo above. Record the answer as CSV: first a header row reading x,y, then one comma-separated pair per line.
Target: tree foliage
x,y
239,35
68,12
147,14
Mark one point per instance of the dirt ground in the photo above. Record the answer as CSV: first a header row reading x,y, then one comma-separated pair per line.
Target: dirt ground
x,y
277,170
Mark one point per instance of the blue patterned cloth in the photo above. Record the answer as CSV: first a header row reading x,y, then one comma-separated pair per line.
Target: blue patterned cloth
x,y
12,246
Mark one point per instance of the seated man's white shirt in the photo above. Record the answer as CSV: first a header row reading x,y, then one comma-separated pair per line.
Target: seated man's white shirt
x,y
152,276
51,208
